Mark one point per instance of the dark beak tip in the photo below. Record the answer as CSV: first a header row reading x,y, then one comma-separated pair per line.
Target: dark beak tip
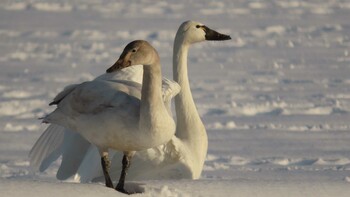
x,y
216,36
222,37
227,37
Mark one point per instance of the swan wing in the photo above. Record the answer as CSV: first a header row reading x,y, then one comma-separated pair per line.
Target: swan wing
x,y
90,167
57,140
74,148
169,89
61,95
132,73
47,148
96,96
54,142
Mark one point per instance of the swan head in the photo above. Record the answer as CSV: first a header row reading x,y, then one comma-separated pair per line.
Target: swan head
x,y
192,32
138,52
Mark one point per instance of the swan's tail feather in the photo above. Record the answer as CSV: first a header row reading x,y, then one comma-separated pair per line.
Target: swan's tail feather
x,y
56,117
74,150
47,148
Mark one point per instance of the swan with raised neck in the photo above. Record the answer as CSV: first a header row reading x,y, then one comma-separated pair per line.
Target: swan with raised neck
x,y
189,126
182,157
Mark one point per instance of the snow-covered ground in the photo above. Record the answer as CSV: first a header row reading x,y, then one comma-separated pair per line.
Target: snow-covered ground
x,y
275,99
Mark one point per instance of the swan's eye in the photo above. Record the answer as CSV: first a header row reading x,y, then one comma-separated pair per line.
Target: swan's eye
x,y
134,51
198,26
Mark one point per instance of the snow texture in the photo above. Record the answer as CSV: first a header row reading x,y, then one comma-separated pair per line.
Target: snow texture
x,y
275,100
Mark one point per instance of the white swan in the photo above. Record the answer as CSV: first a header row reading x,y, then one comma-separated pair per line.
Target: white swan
x,y
114,115
182,157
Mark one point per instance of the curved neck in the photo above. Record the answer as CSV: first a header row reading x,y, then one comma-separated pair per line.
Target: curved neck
x,y
189,125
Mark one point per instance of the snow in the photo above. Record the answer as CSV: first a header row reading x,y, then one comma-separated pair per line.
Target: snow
x,y
275,100
185,188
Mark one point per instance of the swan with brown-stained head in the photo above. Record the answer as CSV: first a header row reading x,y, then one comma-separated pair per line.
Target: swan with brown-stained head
x,y
118,116
181,158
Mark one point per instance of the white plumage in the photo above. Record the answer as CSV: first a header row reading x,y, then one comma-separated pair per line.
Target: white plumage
x,y
119,115
183,156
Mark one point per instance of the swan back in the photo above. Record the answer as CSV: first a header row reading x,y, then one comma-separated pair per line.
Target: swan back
x,y
132,73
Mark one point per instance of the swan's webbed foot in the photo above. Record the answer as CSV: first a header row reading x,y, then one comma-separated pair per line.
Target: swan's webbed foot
x,y
106,163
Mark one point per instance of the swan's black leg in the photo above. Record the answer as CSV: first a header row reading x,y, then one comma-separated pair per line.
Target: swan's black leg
x,y
126,165
106,163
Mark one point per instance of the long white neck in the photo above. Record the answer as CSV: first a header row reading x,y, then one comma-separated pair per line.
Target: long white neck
x,y
189,127
154,117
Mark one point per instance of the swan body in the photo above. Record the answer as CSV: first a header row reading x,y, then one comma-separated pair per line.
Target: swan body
x,y
182,157
118,116
59,141
99,108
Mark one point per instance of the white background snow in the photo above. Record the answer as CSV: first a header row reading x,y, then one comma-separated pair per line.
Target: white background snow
x,y
275,99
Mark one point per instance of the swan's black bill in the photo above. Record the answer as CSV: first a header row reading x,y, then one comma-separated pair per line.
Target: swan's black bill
x,y
214,35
